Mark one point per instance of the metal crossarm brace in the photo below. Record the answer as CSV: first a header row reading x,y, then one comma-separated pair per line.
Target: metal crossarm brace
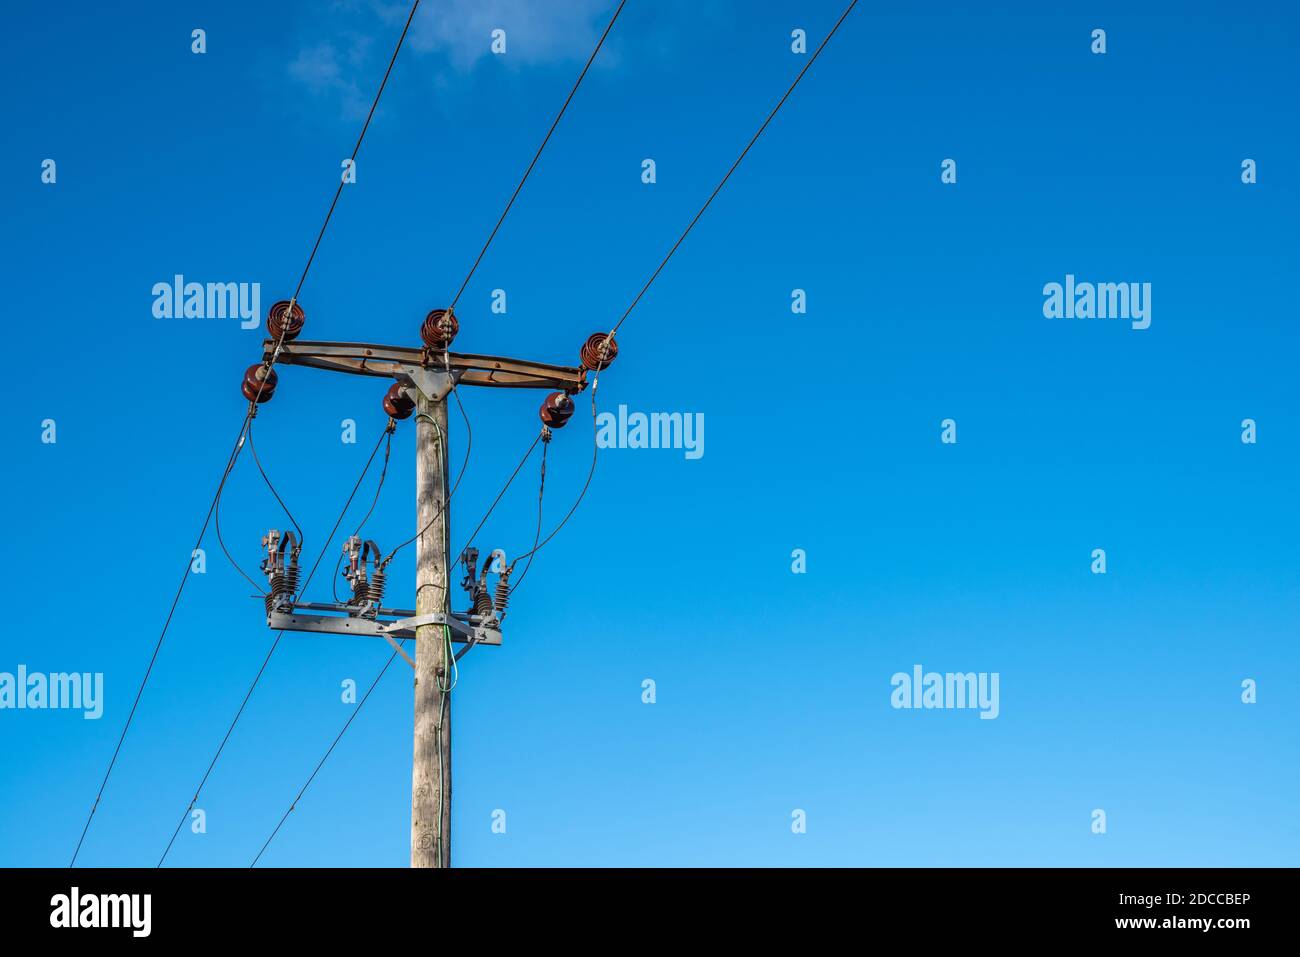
x,y
400,362
462,629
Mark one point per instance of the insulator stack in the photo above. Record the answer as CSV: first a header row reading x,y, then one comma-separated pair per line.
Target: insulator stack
x,y
482,603
503,591
259,383
368,588
284,323
557,409
598,352
364,573
440,327
279,593
281,569
397,403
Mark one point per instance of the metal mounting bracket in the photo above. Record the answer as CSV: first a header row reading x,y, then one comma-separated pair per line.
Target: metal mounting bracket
x,y
434,384
466,629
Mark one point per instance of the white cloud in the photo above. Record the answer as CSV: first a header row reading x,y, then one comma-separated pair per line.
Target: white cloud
x,y
537,31
330,68
457,31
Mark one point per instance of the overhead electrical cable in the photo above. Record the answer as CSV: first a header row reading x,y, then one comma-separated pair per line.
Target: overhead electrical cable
x,y
595,445
225,474
247,417
271,651
536,156
680,239
717,189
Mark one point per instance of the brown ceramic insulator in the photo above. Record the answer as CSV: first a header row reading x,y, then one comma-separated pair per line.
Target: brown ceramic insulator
x,y
557,409
440,327
284,324
397,403
259,383
598,352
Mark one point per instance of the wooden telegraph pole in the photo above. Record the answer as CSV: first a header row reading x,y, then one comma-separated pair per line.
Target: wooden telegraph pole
x,y
431,765
424,380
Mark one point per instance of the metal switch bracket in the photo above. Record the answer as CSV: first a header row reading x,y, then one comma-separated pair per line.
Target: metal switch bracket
x,y
464,629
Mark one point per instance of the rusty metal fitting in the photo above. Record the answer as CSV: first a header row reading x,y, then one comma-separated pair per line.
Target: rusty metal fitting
x,y
598,352
397,403
283,323
439,328
259,383
557,409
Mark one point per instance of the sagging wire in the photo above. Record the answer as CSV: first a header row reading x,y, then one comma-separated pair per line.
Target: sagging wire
x,y
393,657
388,431
486,515
469,443
542,437
617,325
605,346
595,449
255,399
253,448
383,473
541,490
216,523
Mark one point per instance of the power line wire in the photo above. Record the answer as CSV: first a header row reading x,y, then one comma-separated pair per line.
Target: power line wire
x,y
293,300
356,711
461,554
266,478
595,446
230,462
541,490
383,473
274,644
538,154
456,484
591,472
216,524
469,442
247,417
655,275
320,764
717,189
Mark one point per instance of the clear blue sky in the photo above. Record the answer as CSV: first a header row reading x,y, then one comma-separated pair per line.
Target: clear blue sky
x,y
1120,692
